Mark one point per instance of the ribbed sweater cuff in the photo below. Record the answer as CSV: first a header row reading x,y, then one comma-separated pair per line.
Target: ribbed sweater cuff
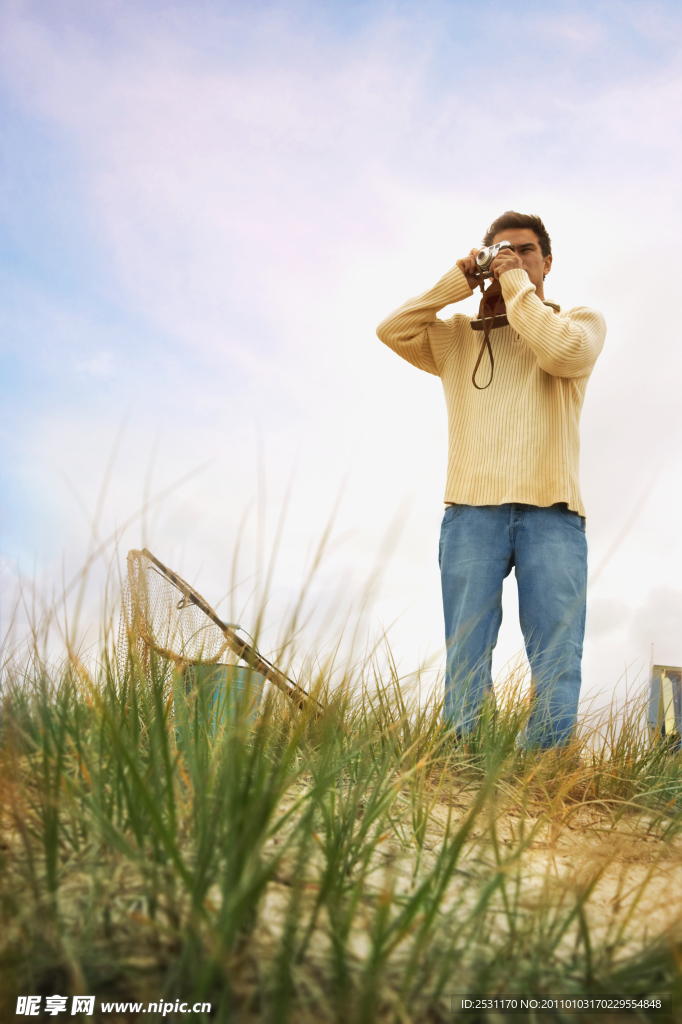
x,y
515,281
455,285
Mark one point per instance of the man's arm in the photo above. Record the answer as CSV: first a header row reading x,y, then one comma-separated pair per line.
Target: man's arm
x,y
564,348
407,330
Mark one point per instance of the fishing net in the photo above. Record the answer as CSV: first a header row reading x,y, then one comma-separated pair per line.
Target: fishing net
x,y
158,615
163,616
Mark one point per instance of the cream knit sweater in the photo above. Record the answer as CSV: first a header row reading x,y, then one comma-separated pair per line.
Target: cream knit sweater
x,y
517,440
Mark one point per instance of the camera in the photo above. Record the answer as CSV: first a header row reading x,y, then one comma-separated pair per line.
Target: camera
x,y
487,254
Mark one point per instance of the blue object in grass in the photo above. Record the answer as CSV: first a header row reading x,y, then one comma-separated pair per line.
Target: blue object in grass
x,y
223,693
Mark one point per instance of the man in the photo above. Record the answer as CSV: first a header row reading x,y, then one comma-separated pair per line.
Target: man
x,y
512,492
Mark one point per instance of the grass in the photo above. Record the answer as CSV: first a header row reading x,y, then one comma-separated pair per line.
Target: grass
x,y
351,867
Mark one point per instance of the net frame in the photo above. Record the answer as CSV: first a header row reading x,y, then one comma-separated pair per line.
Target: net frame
x,y
184,631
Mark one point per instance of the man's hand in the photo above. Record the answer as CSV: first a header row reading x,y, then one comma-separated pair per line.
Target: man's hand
x,y
468,268
505,260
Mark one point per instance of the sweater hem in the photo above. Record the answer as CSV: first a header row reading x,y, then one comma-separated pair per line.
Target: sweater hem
x,y
572,504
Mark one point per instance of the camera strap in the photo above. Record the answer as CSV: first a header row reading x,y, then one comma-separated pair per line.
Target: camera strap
x,y
491,314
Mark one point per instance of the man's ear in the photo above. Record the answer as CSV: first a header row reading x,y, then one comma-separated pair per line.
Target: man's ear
x,y
547,265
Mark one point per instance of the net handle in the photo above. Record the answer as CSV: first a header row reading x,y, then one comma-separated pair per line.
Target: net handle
x,y
243,650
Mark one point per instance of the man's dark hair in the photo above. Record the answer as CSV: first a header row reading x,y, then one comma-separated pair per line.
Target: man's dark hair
x,y
511,219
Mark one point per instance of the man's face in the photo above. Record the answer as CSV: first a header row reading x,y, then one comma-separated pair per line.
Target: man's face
x,y
527,248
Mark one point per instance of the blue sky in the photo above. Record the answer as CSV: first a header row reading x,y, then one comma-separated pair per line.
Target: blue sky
x,y
207,208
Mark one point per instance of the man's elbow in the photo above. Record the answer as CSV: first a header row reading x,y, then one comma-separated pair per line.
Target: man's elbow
x,y
567,366
575,358
384,332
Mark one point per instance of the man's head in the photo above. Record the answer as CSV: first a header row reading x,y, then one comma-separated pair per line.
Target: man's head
x,y
531,242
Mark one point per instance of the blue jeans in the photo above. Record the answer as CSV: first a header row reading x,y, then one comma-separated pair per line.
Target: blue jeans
x,y
479,545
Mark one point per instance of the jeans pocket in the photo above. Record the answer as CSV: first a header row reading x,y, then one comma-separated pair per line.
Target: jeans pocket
x,y
451,512
574,518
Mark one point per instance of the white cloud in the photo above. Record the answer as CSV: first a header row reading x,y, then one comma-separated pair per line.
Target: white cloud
x,y
259,212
